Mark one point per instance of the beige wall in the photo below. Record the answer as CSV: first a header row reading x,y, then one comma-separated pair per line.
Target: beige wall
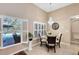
x,y
62,16
27,11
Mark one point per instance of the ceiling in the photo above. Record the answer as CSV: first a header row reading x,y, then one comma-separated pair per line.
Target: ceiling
x,y
48,7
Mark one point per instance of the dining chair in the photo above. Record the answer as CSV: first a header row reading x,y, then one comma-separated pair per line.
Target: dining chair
x,y
58,41
51,43
78,52
42,40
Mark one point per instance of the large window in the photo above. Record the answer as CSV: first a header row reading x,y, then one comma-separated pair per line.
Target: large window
x,y
39,28
13,31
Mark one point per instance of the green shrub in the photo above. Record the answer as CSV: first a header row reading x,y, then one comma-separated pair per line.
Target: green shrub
x,y
30,35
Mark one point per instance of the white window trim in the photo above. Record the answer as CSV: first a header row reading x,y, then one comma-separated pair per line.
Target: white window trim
x,y
36,22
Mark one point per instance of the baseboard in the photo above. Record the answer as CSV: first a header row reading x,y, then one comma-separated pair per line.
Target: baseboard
x,y
68,44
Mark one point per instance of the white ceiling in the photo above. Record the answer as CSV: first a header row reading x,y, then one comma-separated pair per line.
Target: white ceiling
x,y
54,6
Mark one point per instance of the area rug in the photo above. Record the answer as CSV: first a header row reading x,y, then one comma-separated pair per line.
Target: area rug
x,y
21,53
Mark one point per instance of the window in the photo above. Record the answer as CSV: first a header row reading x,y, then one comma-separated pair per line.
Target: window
x,y
13,31
39,28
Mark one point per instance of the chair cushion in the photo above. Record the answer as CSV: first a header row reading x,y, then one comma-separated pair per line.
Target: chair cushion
x,y
44,37
51,44
43,40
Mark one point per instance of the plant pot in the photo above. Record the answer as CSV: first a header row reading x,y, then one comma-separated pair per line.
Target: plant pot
x,y
30,39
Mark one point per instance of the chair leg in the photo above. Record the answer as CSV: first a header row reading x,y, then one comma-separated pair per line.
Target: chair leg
x,y
48,48
78,53
41,44
54,49
59,45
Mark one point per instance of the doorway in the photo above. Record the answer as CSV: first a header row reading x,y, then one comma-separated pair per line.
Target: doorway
x,y
75,31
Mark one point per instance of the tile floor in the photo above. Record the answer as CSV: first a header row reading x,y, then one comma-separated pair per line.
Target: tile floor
x,y
42,50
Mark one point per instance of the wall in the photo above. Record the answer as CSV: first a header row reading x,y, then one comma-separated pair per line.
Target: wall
x,y
62,16
26,11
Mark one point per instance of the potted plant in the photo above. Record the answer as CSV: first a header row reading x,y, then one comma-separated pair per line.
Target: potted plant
x,y
30,36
